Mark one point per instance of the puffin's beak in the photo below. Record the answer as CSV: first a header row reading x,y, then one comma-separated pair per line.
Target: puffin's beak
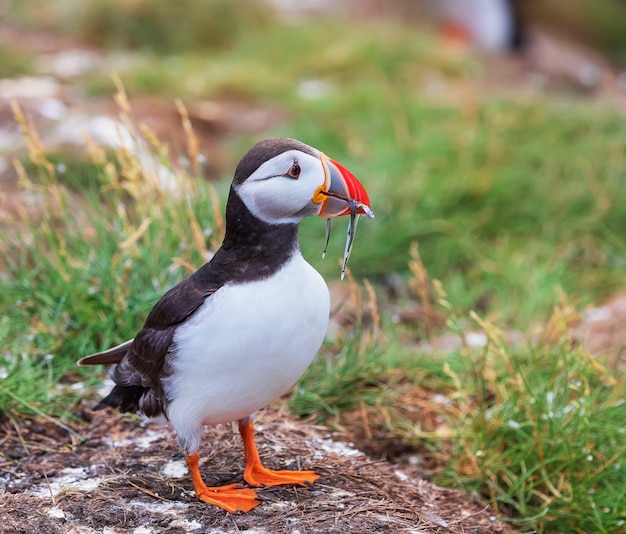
x,y
341,192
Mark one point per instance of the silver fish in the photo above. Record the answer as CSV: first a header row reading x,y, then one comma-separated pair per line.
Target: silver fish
x,y
329,227
351,234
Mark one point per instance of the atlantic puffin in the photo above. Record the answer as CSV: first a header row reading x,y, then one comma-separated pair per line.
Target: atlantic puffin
x,y
240,331
494,26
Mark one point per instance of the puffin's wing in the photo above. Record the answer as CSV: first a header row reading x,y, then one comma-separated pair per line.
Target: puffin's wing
x,y
143,357
139,362
152,343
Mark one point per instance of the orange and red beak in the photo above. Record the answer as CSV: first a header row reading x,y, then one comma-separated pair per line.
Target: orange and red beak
x,y
341,192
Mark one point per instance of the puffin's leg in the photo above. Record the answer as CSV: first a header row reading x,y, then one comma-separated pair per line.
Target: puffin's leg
x,y
256,475
232,498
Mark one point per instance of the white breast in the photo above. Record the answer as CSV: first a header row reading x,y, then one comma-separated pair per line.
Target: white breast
x,y
246,346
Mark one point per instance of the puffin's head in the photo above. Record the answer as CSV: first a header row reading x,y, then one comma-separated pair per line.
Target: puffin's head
x,y
283,180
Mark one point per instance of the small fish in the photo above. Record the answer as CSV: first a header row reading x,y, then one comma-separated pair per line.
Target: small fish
x,y
329,227
354,220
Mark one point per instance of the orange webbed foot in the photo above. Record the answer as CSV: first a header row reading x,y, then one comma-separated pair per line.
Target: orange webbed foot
x,y
258,476
233,498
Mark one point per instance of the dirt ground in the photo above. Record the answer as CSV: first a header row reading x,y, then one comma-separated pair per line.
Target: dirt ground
x,y
123,477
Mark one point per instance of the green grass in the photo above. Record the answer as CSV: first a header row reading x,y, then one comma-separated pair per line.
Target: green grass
x,y
81,275
158,26
506,206
509,198
514,201
545,439
14,63
537,429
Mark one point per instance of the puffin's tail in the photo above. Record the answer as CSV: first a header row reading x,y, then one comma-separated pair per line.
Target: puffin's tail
x,y
135,399
107,357
125,398
130,393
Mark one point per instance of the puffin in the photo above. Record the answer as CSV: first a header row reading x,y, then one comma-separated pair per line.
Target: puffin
x,y
239,332
494,26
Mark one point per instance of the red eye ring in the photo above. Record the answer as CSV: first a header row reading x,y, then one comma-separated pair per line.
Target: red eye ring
x,y
295,170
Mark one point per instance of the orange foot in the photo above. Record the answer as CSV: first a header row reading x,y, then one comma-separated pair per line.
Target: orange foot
x,y
256,475
232,498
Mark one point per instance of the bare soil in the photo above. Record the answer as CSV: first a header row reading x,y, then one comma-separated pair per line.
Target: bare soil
x,y
116,475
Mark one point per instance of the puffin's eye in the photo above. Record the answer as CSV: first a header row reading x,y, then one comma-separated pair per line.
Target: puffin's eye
x,y
295,170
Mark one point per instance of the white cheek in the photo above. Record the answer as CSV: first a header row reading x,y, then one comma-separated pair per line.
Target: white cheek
x,y
277,200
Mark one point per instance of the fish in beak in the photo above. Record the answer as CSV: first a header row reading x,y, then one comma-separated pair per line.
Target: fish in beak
x,y
341,194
